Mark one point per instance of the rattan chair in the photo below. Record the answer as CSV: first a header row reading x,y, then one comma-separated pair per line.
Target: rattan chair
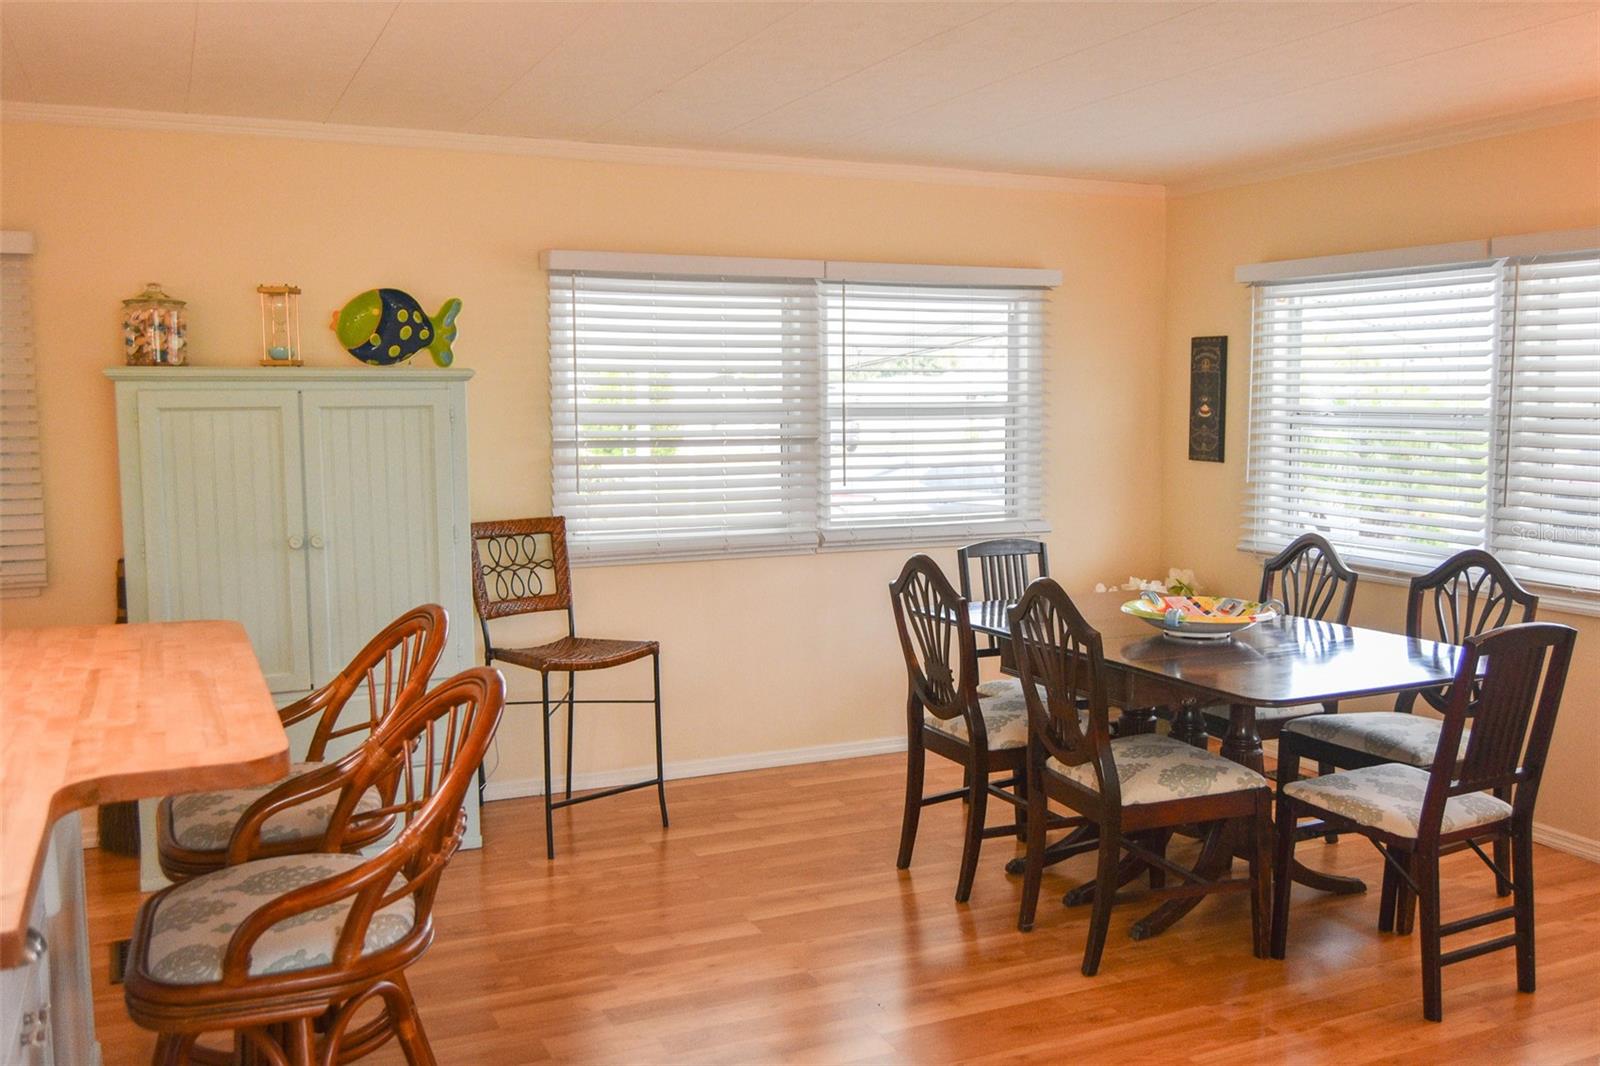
x,y
284,951
1413,815
519,566
194,831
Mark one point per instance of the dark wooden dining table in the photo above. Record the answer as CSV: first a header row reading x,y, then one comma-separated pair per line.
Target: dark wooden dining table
x,y
1285,662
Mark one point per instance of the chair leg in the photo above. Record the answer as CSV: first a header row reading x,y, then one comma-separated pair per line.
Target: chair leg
x,y
172,1049
1158,844
1283,856
1105,893
1386,901
549,812
572,703
1426,871
1502,852
1021,788
661,774
408,1028
1405,900
915,759
977,809
300,1041
1261,875
1521,846
1033,873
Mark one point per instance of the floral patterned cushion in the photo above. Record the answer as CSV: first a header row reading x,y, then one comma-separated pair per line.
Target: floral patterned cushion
x,y
1389,797
1405,738
1265,714
1152,769
1005,715
204,821
192,923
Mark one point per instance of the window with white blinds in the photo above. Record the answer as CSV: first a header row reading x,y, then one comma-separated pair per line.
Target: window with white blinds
x,y
1547,515
683,413
933,410
1370,404
707,407
22,563
1409,413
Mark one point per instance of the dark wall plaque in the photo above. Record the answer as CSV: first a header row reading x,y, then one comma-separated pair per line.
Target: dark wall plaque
x,y
1208,397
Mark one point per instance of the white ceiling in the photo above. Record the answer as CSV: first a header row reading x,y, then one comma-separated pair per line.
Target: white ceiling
x,y
1151,92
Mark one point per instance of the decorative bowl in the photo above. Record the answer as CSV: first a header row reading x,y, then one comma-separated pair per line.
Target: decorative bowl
x,y
1199,617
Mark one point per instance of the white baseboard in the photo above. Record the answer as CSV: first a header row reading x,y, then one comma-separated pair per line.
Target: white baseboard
x,y
516,788
1571,843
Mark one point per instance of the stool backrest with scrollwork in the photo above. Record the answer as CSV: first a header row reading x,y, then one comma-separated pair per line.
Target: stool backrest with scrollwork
x,y
519,566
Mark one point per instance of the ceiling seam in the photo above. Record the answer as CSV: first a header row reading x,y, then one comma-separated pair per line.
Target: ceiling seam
x,y
1188,72
786,16
862,70
1410,59
1026,70
518,79
373,47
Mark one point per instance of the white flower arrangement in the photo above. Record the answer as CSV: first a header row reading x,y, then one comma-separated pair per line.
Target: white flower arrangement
x,y
1178,583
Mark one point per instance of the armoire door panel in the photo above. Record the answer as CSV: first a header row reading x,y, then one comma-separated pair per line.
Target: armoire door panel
x,y
223,504
379,507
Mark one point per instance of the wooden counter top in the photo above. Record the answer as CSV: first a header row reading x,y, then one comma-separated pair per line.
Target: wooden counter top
x,y
101,714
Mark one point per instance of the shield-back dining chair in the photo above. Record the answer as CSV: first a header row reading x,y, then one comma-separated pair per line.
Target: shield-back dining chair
x,y
983,728
1136,790
519,566
1413,815
1467,594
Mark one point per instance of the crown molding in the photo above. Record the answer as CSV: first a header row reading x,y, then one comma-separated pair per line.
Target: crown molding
x,y
585,151
1410,144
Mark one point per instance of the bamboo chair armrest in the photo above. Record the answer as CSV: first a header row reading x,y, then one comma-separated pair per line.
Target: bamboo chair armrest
x,y
306,706
246,844
365,886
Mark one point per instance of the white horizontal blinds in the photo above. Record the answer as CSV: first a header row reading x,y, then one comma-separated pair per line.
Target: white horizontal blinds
x,y
683,413
1547,519
934,418
22,564
1371,413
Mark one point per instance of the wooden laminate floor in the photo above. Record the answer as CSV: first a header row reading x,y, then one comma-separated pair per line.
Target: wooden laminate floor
x,y
770,925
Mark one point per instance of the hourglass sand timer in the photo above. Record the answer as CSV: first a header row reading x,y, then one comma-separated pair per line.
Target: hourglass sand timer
x,y
280,325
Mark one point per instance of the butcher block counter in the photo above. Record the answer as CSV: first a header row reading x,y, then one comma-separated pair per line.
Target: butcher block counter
x,y
101,714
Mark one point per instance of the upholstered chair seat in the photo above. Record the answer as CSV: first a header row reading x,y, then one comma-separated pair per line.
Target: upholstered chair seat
x,y
1402,738
1154,769
192,924
1389,797
205,821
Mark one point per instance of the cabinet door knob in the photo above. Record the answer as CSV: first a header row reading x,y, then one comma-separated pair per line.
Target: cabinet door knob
x,y
316,540
33,946
297,542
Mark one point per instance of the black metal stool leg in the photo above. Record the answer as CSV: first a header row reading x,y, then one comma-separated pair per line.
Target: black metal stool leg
x,y
549,814
661,779
572,700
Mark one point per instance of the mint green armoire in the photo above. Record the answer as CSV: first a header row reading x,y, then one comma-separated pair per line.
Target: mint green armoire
x,y
311,505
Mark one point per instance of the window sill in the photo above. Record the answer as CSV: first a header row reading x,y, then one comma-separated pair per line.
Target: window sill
x,y
1561,601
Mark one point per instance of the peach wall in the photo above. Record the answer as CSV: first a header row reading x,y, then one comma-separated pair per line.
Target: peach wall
x,y
1540,180
760,655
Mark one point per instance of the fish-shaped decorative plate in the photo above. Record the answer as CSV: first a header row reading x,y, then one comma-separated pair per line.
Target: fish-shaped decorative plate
x,y
1199,617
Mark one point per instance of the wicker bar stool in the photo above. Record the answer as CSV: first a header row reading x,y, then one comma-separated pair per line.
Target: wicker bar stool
x,y
519,566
